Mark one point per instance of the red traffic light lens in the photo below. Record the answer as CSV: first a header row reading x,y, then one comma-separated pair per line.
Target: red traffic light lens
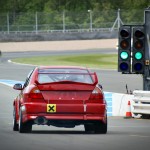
x,y
138,44
124,33
124,44
139,34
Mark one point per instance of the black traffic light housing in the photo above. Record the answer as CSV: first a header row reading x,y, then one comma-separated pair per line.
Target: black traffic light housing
x,y
124,49
138,50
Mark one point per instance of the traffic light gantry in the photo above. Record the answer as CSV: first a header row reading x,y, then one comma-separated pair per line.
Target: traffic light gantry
x,y
124,49
131,49
138,50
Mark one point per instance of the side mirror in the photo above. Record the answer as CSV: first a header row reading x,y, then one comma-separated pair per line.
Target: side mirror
x,y
17,86
100,86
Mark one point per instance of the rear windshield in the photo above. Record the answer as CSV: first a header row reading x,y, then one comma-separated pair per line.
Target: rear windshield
x,y
58,75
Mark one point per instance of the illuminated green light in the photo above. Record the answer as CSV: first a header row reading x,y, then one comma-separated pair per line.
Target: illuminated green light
x,y
138,55
124,55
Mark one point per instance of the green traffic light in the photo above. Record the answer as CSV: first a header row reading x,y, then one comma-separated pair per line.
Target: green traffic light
x,y
124,55
138,55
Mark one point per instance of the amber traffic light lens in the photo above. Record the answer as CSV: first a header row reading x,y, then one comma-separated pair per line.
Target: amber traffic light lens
x,y
138,44
124,44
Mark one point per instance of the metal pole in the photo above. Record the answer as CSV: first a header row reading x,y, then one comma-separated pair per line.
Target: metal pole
x,y
118,19
36,23
91,20
146,76
64,24
8,26
0,55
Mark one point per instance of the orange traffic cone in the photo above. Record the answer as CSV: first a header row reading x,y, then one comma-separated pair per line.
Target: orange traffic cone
x,y
128,112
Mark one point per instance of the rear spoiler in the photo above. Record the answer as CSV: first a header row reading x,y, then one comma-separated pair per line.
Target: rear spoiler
x,y
93,75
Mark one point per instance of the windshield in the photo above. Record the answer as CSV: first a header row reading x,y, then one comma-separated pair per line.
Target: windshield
x,y
58,75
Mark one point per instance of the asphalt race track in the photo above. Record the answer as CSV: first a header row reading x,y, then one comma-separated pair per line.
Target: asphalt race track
x,y
123,134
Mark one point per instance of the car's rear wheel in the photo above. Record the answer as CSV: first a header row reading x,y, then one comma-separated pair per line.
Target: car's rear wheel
x,y
89,128
101,127
24,127
15,124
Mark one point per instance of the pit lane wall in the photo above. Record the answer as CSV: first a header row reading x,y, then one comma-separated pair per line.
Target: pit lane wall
x,y
120,104
117,103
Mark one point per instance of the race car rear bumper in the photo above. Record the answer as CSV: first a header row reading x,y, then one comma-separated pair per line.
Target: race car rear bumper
x,y
63,120
32,112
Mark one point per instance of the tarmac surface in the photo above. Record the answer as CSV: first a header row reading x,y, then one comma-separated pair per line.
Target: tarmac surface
x,y
123,134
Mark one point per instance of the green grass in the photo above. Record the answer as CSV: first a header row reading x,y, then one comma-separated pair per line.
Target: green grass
x,y
107,61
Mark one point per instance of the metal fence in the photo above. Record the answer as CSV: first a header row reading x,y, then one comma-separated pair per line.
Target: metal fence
x,y
65,21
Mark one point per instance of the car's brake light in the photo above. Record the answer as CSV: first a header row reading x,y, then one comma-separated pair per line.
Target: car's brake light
x,y
96,94
35,94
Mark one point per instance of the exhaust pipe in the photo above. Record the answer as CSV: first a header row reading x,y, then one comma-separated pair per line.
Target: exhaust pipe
x,y
40,121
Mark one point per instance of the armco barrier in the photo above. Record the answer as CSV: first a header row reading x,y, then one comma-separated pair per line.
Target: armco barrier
x,y
141,102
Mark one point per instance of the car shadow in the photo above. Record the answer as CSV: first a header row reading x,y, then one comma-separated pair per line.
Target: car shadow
x,y
59,132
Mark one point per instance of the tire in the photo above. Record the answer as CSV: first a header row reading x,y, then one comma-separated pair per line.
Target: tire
x,y
15,124
24,127
89,128
145,116
101,127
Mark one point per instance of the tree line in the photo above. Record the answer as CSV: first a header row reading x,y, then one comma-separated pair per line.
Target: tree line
x,y
51,11
17,6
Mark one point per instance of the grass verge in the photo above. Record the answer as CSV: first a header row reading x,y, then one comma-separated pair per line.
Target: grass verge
x,y
105,61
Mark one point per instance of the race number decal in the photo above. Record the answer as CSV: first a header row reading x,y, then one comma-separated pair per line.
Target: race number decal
x,y
51,108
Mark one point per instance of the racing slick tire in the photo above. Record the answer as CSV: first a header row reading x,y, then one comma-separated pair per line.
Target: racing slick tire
x,y
15,125
24,127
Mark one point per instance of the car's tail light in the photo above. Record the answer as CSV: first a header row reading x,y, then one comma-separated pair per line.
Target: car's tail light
x,y
96,94
35,94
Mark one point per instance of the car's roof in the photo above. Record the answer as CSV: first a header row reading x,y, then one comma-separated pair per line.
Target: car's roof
x,y
62,67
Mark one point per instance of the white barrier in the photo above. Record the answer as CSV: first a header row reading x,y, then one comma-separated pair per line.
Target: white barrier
x,y
120,103
141,102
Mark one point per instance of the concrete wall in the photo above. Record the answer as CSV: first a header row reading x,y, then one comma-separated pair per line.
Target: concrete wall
x,y
56,36
120,104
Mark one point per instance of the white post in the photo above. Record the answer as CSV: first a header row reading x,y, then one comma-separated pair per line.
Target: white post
x,y
36,23
64,24
91,20
119,19
8,26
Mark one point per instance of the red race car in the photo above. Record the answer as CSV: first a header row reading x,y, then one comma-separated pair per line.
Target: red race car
x,y
61,97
